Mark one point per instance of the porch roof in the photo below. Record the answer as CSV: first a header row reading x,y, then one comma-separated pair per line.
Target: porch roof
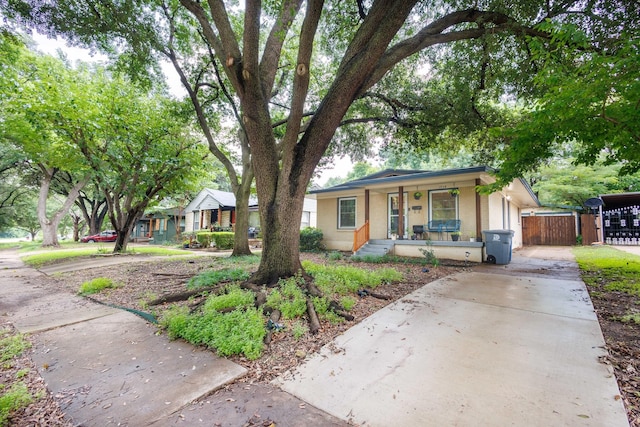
x,y
519,189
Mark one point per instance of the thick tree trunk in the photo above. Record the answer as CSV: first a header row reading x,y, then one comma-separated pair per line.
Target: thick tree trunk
x,y
48,225
241,237
125,230
281,218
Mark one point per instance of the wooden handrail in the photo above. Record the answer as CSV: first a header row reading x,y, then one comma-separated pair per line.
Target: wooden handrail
x,y
360,236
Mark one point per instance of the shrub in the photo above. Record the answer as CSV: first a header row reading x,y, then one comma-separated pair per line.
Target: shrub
x,y
204,238
311,239
223,239
96,285
335,256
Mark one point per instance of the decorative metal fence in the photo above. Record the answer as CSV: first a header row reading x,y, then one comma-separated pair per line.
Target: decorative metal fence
x,y
622,226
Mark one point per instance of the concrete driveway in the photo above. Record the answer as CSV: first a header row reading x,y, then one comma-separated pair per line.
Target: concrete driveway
x,y
501,345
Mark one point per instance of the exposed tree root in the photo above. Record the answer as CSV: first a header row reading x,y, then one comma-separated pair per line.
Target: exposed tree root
x,y
340,311
314,322
181,296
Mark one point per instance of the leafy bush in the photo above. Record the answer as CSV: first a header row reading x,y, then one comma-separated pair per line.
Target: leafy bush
x,y
204,238
311,239
96,285
430,256
223,239
288,298
335,256
213,277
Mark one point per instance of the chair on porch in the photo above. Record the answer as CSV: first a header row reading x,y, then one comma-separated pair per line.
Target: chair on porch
x,y
418,232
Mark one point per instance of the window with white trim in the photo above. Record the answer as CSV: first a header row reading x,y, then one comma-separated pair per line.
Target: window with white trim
x,y
443,205
347,212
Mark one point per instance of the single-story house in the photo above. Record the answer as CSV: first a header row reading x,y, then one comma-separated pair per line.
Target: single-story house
x,y
403,210
218,207
159,226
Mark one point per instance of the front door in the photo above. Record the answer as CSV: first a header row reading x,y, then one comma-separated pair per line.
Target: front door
x,y
394,213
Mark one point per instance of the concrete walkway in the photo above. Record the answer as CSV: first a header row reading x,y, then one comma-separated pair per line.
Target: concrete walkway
x,y
502,345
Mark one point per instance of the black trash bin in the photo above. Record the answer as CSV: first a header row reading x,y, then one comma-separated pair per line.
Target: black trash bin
x,y
498,245
252,232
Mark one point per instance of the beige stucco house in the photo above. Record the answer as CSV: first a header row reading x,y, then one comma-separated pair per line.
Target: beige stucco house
x,y
404,209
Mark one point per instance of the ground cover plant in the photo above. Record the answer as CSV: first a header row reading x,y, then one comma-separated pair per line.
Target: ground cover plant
x,y
230,323
96,285
613,280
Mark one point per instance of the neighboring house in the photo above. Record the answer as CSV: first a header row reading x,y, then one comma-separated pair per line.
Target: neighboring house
x,y
218,207
159,226
402,209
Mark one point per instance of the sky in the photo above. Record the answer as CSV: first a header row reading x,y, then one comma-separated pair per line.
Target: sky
x,y
48,46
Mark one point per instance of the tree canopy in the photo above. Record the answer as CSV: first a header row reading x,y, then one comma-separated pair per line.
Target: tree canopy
x,y
76,125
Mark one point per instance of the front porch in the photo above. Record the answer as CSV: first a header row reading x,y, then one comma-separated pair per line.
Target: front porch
x,y
443,249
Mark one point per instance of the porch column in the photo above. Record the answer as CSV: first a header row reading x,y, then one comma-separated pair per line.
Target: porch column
x,y
219,216
366,205
478,212
401,212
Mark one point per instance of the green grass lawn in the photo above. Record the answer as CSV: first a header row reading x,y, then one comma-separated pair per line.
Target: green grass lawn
x,y
53,255
618,270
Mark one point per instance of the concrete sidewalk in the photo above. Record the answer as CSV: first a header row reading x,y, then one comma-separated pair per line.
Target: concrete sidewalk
x,y
106,366
503,345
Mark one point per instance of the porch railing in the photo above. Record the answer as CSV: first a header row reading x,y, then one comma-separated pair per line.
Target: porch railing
x,y
360,236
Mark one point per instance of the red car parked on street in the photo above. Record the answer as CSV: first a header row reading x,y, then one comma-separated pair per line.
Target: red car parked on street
x,y
105,236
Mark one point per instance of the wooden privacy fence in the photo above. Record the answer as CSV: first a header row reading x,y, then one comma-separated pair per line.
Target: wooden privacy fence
x,y
549,230
589,229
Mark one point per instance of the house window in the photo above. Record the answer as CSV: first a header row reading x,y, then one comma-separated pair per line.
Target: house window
x,y
196,220
347,213
443,205
306,219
